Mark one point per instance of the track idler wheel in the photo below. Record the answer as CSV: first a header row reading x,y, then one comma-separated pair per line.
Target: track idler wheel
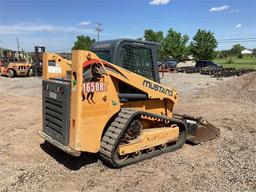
x,y
120,158
162,147
136,154
150,150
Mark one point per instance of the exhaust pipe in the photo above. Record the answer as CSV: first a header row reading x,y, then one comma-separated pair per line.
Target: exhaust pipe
x,y
199,129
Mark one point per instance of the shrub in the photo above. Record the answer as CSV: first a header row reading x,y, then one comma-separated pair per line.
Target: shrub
x,y
230,60
240,56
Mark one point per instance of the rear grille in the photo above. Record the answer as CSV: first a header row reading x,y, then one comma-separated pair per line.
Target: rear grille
x,y
54,118
56,111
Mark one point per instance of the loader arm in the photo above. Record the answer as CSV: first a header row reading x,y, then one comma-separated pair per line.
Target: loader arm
x,y
141,88
153,89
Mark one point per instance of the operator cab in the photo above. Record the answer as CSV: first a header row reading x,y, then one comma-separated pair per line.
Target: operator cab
x,y
136,56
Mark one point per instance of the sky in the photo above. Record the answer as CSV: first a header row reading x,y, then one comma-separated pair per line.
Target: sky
x,y
56,23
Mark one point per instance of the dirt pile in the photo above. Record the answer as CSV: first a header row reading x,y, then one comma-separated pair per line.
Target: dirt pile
x,y
241,88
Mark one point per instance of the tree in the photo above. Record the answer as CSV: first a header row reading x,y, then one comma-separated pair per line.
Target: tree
x,y
236,50
203,45
83,43
155,36
175,45
223,54
140,39
254,51
158,37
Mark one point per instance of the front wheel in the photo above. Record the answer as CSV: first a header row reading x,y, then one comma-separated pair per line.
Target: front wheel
x,y
30,72
11,73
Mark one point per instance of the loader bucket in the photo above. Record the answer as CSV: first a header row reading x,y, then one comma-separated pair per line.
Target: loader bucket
x,y
199,129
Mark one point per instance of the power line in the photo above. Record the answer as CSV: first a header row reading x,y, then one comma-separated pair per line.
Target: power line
x,y
98,29
234,40
238,39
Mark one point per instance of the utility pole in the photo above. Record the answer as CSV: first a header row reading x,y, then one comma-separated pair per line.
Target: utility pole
x,y
98,29
18,44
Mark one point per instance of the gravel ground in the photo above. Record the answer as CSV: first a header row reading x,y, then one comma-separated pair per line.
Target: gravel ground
x,y
225,164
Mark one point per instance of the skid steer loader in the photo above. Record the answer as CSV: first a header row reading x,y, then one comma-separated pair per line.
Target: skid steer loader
x,y
122,114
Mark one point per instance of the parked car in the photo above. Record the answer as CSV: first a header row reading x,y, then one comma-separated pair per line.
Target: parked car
x,y
171,63
206,63
159,63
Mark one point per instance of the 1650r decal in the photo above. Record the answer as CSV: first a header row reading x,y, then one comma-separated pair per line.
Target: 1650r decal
x,y
157,87
92,87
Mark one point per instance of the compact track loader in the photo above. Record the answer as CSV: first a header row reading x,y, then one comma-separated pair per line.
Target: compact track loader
x,y
99,107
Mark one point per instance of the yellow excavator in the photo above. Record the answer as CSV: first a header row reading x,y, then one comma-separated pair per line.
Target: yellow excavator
x,y
119,111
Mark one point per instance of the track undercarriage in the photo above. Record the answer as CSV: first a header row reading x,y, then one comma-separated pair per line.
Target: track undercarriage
x,y
135,136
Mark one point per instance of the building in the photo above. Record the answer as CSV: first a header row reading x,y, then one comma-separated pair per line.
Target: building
x,y
246,52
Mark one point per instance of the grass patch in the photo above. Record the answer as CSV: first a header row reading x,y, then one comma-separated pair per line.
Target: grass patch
x,y
239,63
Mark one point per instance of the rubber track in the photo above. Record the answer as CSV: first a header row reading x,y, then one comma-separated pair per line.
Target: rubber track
x,y
117,129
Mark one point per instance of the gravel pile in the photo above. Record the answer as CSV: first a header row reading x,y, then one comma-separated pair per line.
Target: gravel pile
x,y
241,88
